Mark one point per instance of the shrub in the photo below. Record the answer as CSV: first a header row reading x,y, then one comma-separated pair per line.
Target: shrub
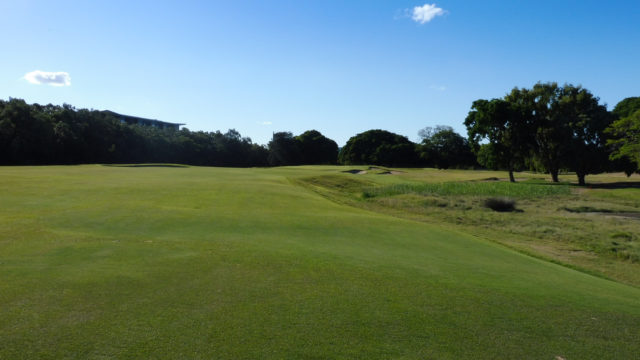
x,y
500,204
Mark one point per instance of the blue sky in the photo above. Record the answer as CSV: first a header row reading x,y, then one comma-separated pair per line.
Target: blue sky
x,y
340,67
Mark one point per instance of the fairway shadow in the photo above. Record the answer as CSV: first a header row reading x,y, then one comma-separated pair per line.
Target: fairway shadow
x,y
147,165
615,185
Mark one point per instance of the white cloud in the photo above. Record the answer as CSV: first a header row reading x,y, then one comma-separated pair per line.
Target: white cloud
x,y
38,77
438,87
266,123
425,13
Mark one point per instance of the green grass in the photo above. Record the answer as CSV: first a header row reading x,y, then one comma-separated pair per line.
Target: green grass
x,y
517,190
559,222
198,263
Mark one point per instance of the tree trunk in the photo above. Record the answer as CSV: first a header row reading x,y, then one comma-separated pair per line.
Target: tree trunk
x,y
581,181
511,178
554,175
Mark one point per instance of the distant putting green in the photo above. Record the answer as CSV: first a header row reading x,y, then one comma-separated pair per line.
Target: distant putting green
x,y
101,262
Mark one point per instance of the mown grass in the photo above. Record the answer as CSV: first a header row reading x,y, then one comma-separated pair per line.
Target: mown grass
x,y
568,224
505,189
200,263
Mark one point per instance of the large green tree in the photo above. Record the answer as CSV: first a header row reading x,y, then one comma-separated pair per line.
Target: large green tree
x,y
586,121
284,150
625,134
443,148
379,147
316,148
504,128
550,133
626,107
567,125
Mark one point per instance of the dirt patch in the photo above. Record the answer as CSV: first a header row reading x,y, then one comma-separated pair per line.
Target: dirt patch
x,y
627,215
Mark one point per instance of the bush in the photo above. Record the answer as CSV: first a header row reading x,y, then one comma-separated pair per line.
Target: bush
x,y
500,204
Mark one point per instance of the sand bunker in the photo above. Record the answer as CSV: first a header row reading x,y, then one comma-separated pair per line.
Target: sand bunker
x,y
356,171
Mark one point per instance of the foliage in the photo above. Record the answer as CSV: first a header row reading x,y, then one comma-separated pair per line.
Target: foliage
x,y
284,150
506,130
36,134
626,107
317,149
379,147
443,148
559,127
625,134
586,121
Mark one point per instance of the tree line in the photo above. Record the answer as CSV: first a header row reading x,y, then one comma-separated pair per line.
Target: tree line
x,y
49,134
552,128
548,128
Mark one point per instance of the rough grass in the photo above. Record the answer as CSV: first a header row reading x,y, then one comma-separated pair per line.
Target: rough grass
x,y
199,263
555,221
504,189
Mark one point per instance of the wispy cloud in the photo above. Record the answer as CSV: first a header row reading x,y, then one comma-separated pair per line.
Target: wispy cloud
x,y
425,13
265,123
38,77
438,87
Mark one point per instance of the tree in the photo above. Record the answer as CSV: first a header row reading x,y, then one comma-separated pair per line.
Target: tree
x,y
315,148
625,135
284,150
506,129
25,134
443,148
586,121
626,139
379,147
49,134
626,107
550,134
567,124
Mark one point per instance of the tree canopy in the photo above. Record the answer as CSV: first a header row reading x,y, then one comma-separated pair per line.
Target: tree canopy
x,y
505,128
379,147
627,107
558,127
443,148
316,148
625,134
49,134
